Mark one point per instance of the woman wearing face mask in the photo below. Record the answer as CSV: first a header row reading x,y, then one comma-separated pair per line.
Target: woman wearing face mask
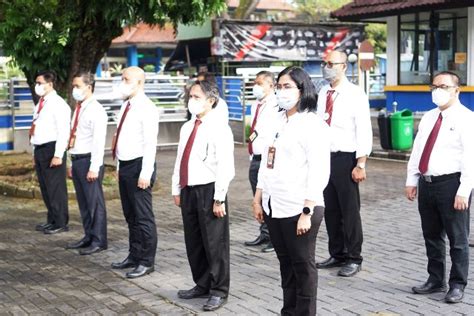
x,y
203,170
293,174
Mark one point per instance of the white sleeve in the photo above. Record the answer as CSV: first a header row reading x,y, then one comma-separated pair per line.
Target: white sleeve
x,y
467,168
363,127
413,173
62,117
175,187
150,121
98,138
225,162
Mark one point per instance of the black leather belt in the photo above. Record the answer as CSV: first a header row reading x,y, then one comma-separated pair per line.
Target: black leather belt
x,y
444,177
257,157
80,156
341,153
45,145
123,163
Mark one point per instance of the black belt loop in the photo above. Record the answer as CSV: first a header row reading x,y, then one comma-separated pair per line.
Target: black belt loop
x,y
80,156
257,157
434,179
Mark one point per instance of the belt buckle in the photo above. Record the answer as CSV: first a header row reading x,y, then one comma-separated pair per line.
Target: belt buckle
x,y
428,179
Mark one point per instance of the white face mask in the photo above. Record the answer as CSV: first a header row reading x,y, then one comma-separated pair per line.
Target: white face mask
x,y
126,89
440,97
287,98
78,94
196,107
40,90
258,92
330,74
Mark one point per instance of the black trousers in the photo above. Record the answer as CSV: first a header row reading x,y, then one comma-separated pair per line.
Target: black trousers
x,y
138,211
52,183
342,213
253,178
299,275
90,197
207,239
438,219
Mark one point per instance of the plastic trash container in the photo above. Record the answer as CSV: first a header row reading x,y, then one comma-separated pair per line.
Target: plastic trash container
x,y
402,129
385,133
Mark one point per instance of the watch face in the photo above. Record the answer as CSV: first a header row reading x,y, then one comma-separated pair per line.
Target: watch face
x,y
306,210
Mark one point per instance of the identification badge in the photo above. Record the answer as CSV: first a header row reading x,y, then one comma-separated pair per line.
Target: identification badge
x,y
72,141
32,130
253,136
271,157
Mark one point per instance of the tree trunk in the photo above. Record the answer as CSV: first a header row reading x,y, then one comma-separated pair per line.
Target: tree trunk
x,y
245,8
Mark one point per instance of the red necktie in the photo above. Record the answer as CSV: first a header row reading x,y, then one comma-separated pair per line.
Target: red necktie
x,y
76,122
425,156
252,128
329,106
117,133
40,107
183,169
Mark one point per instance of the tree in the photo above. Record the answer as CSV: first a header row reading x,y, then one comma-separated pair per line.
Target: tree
x,y
245,8
313,11
73,35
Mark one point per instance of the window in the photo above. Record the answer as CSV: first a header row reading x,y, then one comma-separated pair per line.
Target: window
x,y
430,42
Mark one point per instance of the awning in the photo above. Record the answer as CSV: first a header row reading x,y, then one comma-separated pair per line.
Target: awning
x,y
199,51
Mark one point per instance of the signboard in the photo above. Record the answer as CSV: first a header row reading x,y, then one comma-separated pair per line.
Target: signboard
x,y
246,41
460,58
366,56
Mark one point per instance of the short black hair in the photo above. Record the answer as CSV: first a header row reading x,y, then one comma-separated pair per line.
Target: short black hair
x,y
266,74
87,77
207,76
309,98
454,76
48,75
209,88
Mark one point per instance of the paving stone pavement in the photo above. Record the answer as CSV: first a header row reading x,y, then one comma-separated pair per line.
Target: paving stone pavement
x,y
39,277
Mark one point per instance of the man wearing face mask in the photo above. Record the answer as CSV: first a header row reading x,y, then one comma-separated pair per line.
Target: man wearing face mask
x,y
221,106
441,172
86,149
134,146
345,108
203,170
263,113
49,136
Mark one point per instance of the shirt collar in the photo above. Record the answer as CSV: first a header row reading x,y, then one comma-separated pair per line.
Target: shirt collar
x,y
451,109
341,86
137,97
50,95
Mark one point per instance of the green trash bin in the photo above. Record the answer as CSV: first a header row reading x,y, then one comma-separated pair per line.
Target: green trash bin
x,y
402,129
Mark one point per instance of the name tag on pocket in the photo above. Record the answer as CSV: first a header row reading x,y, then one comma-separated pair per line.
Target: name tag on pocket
x,y
253,136
271,157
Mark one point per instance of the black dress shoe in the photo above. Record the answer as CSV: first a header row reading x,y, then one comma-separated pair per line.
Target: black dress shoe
x,y
139,271
127,263
42,227
268,248
91,250
331,262
429,287
258,241
214,302
55,230
454,295
78,244
195,292
349,269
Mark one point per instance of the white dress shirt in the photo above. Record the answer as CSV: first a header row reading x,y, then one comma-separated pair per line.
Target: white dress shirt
x,y
91,132
453,150
222,109
212,155
139,134
351,128
52,123
301,165
264,126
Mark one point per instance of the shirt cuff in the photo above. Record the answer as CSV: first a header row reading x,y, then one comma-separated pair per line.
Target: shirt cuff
x,y
464,190
146,174
94,168
175,190
220,195
412,181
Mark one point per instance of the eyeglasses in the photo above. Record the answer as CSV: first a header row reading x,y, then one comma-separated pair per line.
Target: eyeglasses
x,y
443,87
329,64
285,87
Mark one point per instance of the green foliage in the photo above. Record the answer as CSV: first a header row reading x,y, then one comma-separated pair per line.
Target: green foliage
x,y
72,35
377,35
149,68
317,10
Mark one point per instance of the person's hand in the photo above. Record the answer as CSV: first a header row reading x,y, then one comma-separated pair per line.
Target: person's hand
x,y
143,183
177,200
219,210
410,192
258,212
34,162
461,203
358,174
56,162
92,176
304,224
69,173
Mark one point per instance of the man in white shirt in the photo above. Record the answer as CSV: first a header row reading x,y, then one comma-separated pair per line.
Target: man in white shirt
x,y
345,108
203,170
134,146
263,114
221,108
49,135
86,149
441,171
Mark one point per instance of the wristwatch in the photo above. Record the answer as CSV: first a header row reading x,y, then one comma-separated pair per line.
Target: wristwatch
x,y
307,211
218,203
361,165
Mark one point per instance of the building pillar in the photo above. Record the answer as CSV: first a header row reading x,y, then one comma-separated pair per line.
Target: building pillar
x,y
392,51
159,56
98,70
132,56
470,46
